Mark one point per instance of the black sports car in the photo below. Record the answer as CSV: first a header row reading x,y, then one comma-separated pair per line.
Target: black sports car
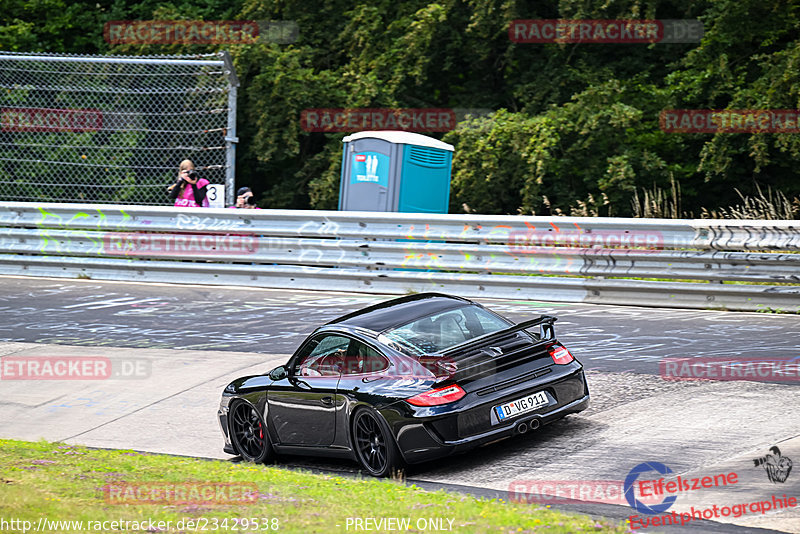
x,y
405,381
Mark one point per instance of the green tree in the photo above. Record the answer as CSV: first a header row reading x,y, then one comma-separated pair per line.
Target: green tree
x,y
571,120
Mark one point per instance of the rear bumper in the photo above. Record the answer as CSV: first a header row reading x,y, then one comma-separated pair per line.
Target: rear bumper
x,y
437,449
542,419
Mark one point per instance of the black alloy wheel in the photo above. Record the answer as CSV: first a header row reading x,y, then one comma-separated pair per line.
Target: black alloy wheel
x,y
248,434
375,446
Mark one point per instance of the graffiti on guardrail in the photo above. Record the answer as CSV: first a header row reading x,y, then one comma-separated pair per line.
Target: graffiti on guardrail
x,y
57,236
422,260
752,237
506,249
208,224
531,237
315,254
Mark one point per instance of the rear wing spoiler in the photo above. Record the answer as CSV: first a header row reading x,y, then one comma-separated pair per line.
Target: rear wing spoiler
x,y
546,332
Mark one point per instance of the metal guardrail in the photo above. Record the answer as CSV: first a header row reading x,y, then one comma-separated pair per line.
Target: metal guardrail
x,y
651,262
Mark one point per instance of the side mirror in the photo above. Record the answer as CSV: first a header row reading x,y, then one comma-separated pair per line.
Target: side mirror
x,y
279,373
546,331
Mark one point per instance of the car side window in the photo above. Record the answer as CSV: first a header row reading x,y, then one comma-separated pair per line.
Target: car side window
x,y
363,359
323,356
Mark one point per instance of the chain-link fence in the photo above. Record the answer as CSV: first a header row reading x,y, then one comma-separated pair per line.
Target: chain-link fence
x,y
113,129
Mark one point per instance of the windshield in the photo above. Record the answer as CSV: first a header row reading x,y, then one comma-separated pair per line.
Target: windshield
x,y
435,333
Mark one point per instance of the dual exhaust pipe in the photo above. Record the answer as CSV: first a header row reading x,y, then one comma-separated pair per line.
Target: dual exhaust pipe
x,y
524,426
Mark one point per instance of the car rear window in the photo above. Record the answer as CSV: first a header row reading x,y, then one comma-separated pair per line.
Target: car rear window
x,y
441,331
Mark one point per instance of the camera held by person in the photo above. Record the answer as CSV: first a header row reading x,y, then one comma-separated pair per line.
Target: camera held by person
x,y
245,199
189,190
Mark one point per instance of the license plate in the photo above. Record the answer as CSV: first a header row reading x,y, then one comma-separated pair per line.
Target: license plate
x,y
523,405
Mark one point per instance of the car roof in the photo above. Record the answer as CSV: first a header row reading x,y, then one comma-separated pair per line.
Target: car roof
x,y
400,311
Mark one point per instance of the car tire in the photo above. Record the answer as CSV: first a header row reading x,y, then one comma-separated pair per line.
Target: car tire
x,y
249,433
374,445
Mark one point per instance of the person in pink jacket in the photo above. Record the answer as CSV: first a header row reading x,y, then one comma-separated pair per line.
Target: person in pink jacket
x,y
189,191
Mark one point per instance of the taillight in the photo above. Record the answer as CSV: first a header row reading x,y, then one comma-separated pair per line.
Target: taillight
x,y
560,355
438,396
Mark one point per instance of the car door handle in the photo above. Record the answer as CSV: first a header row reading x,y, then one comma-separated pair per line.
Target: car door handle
x,y
327,401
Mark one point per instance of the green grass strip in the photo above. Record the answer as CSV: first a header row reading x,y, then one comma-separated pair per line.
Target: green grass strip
x,y
45,483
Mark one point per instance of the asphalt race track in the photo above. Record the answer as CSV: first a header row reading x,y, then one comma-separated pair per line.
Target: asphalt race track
x,y
605,338
173,348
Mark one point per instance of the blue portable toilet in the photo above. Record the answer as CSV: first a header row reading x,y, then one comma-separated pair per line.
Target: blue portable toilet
x,y
395,171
